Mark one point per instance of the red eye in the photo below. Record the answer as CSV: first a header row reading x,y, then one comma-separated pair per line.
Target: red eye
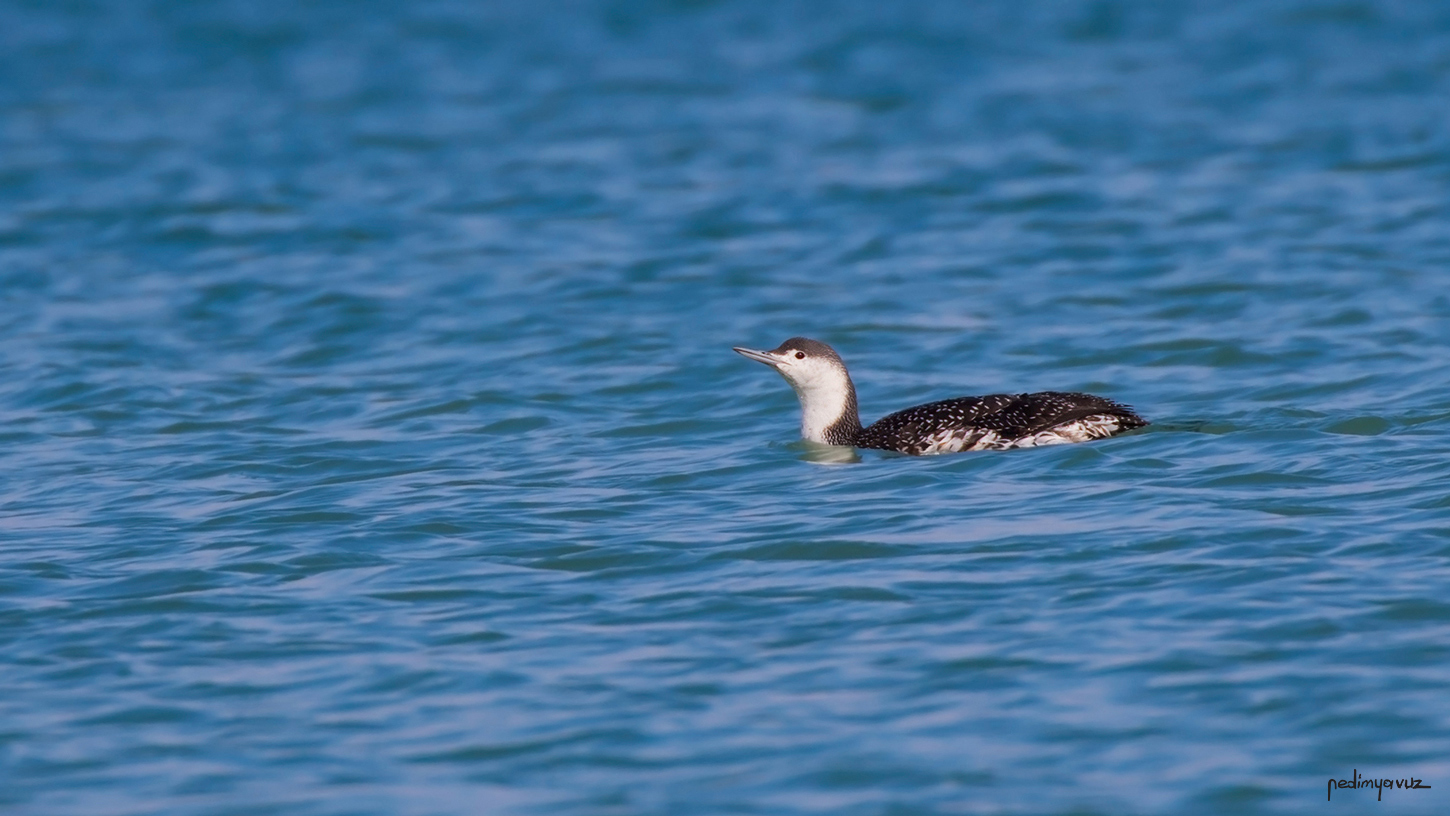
x,y
800,355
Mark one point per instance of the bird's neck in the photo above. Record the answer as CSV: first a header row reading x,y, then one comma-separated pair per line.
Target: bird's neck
x,y
829,415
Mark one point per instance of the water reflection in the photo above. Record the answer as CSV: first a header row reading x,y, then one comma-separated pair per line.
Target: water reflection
x,y
819,454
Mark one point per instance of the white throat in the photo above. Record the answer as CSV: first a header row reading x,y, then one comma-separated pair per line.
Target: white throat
x,y
821,407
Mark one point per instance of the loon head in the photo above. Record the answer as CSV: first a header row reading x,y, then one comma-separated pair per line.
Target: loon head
x,y
828,398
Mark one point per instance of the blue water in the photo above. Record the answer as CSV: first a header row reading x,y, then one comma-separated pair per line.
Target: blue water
x,y
372,442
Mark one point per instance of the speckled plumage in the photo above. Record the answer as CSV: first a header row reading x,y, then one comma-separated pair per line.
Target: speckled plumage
x,y
994,422
998,422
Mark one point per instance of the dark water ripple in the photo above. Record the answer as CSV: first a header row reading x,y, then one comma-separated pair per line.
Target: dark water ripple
x,y
372,444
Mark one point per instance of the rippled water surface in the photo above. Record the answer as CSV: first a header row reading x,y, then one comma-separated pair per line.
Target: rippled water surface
x,y
372,443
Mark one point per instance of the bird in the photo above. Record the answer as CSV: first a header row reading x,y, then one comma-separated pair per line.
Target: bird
x,y
829,414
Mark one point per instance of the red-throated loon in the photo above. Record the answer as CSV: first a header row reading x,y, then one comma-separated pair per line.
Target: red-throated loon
x,y
993,422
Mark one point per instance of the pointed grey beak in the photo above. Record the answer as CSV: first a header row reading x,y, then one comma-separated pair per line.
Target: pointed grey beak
x,y
757,356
